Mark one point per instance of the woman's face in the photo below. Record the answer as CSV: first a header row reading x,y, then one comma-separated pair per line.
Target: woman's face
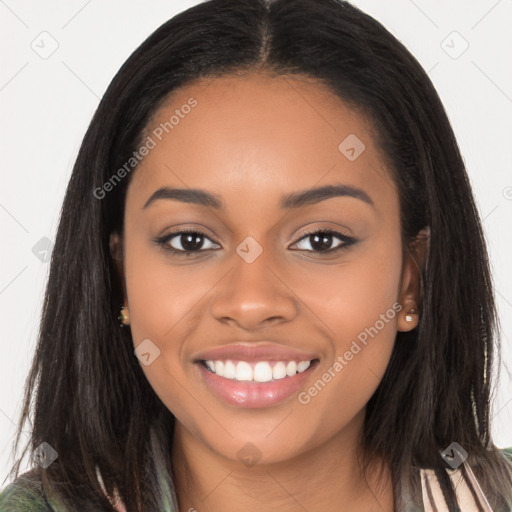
x,y
254,284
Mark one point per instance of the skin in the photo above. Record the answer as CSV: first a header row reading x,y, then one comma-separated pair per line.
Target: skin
x,y
250,140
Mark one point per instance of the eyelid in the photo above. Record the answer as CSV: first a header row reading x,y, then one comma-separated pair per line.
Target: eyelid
x,y
323,229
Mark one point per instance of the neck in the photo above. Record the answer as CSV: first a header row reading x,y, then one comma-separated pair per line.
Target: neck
x,y
326,478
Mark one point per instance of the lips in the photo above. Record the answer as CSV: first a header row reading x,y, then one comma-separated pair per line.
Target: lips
x,y
266,392
254,351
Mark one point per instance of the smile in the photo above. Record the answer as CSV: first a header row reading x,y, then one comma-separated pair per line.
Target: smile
x,y
255,384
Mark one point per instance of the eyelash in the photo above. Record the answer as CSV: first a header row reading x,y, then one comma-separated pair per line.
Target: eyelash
x,y
163,241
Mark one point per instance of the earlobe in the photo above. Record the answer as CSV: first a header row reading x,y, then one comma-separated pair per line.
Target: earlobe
x,y
408,319
408,316
410,295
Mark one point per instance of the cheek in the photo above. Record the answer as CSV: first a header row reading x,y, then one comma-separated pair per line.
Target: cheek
x,y
145,290
165,307
161,296
351,296
358,307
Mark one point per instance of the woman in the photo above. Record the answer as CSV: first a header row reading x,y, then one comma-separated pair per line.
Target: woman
x,y
273,193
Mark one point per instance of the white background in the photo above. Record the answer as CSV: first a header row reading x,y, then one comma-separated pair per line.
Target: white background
x,y
46,105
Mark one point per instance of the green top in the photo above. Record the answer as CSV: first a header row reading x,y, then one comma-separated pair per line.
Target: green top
x,y
25,494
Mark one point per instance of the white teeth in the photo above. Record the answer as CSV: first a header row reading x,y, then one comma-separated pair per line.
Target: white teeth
x,y
279,371
262,371
291,368
243,371
229,370
219,367
303,365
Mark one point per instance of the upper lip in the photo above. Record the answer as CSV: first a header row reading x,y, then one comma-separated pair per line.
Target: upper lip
x,y
254,351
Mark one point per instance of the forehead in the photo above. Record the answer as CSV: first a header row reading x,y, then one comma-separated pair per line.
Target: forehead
x,y
258,135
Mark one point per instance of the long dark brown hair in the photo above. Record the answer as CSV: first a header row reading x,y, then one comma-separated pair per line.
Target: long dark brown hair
x,y
86,392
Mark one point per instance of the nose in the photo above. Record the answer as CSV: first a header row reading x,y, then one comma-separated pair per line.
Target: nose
x,y
254,295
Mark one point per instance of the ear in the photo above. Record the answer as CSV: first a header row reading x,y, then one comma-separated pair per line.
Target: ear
x,y
116,252
411,287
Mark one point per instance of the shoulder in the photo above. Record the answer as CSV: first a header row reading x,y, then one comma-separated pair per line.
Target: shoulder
x,y
24,495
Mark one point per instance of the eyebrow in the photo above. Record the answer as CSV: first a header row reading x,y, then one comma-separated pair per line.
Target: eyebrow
x,y
289,201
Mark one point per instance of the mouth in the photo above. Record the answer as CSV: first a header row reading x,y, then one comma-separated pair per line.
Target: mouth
x,y
255,384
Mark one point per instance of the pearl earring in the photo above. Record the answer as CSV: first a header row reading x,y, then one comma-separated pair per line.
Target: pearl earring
x,y
408,317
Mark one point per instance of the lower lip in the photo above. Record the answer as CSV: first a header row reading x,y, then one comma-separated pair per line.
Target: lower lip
x,y
252,394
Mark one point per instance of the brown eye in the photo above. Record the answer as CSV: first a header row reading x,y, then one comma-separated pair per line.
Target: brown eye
x,y
321,241
185,242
